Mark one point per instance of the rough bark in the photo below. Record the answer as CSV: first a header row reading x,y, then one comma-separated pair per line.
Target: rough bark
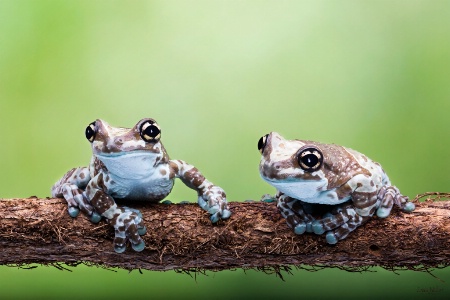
x,y
181,237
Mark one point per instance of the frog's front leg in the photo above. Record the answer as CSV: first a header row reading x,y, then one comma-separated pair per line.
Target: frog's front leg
x,y
294,213
390,195
211,198
70,187
127,223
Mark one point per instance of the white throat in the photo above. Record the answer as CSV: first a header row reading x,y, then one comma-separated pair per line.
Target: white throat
x,y
130,165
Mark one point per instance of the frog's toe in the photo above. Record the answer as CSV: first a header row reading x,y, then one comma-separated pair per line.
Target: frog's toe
x,y
138,247
331,238
341,232
95,217
409,207
142,230
215,217
300,228
226,214
133,235
217,214
120,248
203,203
166,202
383,212
317,227
214,209
297,224
120,242
73,211
268,198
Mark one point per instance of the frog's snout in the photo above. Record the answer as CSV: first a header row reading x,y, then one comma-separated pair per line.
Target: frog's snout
x,y
270,170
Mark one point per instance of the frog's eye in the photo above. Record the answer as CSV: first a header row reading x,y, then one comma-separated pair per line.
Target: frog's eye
x,y
150,132
90,132
310,159
262,143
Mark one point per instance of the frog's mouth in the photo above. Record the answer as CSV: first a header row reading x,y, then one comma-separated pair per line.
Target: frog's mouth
x,y
298,188
131,164
311,191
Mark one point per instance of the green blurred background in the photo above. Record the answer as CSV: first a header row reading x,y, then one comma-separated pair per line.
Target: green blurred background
x,y
217,75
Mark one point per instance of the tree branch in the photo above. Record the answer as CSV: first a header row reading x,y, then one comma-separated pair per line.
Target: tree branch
x,y
180,236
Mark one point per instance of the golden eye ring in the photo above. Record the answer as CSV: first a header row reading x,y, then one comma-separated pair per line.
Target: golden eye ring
x,y
150,132
310,158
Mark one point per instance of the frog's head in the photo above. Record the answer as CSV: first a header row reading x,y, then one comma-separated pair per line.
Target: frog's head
x,y
291,165
108,140
127,151
288,159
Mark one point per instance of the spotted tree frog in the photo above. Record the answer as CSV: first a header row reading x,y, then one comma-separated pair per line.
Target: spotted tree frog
x,y
343,185
131,163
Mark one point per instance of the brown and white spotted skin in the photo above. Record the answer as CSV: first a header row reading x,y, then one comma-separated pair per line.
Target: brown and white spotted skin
x,y
131,163
344,186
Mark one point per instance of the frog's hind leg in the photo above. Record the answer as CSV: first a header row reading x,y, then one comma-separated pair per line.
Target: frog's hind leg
x,y
343,220
296,217
389,196
127,222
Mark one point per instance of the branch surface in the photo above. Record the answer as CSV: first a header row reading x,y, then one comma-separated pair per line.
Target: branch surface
x,y
181,236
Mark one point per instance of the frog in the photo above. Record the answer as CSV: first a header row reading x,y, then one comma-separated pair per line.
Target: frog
x,y
131,164
326,188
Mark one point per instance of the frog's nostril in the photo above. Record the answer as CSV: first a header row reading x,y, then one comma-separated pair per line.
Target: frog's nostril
x,y
277,166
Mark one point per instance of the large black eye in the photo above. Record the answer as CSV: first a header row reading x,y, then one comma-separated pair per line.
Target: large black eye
x,y
90,132
150,132
310,158
262,143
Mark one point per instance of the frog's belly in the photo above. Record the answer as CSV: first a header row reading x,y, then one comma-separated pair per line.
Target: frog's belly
x,y
141,190
309,191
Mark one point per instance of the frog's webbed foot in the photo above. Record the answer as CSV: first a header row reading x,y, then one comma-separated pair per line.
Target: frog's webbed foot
x,y
339,223
210,197
127,222
214,201
294,212
128,226
390,195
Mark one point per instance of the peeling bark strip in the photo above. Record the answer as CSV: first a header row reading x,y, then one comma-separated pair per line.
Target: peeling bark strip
x,y
180,236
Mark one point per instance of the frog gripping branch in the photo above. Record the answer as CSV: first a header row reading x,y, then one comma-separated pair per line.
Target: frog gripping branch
x,y
131,164
325,187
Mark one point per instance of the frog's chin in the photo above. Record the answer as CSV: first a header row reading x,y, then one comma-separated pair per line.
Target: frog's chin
x,y
311,191
131,164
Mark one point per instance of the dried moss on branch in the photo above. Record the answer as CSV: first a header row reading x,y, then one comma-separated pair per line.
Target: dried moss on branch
x,y
180,236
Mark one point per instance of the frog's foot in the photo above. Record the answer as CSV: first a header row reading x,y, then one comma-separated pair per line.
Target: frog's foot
x,y
128,225
296,218
141,228
214,201
388,196
268,198
76,201
339,224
